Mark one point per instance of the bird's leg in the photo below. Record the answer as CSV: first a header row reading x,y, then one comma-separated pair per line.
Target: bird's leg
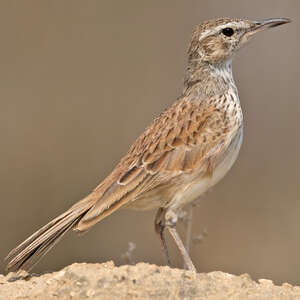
x,y
188,237
170,223
160,226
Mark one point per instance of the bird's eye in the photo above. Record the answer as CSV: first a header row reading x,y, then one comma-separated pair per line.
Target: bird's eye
x,y
228,31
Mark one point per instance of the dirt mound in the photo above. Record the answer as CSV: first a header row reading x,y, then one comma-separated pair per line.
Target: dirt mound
x,y
142,281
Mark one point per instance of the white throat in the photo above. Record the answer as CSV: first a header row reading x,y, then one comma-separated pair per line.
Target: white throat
x,y
223,71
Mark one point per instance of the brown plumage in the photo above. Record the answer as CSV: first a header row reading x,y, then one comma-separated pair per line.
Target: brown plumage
x,y
186,150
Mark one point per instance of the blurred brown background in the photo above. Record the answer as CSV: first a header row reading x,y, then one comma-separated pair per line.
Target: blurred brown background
x,y
79,80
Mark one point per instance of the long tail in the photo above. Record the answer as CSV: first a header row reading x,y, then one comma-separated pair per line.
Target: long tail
x,y
30,252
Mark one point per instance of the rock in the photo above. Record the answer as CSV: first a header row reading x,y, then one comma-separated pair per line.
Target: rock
x,y
142,281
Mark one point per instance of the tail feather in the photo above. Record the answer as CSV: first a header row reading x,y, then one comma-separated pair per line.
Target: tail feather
x,y
34,236
30,252
42,250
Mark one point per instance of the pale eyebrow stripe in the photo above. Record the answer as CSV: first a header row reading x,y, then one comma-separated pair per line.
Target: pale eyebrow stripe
x,y
218,28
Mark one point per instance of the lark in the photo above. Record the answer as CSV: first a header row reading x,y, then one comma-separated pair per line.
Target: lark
x,y
184,152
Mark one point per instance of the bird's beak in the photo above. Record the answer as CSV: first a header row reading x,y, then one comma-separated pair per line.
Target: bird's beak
x,y
269,23
258,26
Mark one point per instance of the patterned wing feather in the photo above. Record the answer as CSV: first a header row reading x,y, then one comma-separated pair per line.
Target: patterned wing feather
x,y
178,141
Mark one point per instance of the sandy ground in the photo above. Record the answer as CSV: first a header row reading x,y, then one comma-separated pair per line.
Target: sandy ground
x,y
142,281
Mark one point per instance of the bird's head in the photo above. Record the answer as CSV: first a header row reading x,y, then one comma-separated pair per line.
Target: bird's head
x,y
215,41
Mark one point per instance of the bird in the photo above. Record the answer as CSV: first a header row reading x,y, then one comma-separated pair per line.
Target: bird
x,y
185,151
